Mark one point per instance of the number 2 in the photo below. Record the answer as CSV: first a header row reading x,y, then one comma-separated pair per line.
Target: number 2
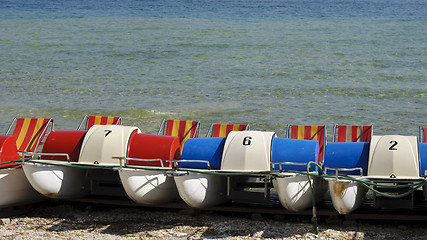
x,y
393,145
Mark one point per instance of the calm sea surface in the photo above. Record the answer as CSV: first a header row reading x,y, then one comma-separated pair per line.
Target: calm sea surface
x,y
265,62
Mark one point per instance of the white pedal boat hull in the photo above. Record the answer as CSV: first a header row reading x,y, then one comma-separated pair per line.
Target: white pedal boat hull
x,y
200,190
346,196
149,187
294,190
15,188
60,182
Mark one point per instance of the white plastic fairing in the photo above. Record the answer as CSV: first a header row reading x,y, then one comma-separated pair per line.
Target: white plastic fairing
x,y
201,190
102,142
247,151
148,187
15,188
53,181
346,196
393,157
294,190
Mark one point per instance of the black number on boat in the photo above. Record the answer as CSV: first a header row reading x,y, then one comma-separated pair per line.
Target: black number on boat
x,y
247,141
107,132
393,144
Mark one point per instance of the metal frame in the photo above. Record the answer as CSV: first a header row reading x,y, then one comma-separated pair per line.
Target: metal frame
x,y
23,154
81,123
287,163
122,163
343,169
179,161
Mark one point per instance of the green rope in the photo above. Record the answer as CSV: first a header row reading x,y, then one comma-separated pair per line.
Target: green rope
x,y
369,185
313,199
14,161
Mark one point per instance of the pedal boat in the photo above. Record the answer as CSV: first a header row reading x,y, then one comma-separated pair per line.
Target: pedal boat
x,y
143,172
14,186
197,175
207,164
74,164
213,171
295,169
384,163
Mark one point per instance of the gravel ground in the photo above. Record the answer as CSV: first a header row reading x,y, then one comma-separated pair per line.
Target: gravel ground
x,y
82,221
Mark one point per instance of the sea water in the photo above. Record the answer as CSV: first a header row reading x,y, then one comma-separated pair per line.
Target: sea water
x,y
268,63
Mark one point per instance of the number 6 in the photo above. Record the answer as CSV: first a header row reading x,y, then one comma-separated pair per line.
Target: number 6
x,y
247,141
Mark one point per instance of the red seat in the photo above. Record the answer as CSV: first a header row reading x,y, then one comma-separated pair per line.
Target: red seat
x,y
99,120
222,130
307,132
27,136
349,133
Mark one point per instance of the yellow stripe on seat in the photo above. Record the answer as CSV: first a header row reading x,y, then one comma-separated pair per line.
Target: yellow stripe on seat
x,y
314,135
223,130
97,120
110,120
301,131
188,126
22,132
36,131
175,128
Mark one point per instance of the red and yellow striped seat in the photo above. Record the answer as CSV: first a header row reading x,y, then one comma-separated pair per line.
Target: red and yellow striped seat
x,y
183,129
222,130
348,133
29,132
423,134
100,120
306,132
27,136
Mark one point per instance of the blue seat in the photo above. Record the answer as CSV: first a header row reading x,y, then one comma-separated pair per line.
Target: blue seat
x,y
205,149
347,155
422,148
296,153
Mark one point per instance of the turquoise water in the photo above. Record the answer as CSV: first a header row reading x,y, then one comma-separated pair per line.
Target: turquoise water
x,y
267,63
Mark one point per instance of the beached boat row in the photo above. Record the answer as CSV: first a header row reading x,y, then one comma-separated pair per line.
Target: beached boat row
x,y
232,163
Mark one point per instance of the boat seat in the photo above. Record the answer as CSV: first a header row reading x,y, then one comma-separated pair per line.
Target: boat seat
x,y
64,142
352,133
183,129
351,156
423,134
88,121
152,150
307,132
222,130
294,154
202,153
27,135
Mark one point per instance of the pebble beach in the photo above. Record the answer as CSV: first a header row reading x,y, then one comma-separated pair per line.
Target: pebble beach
x,y
83,221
